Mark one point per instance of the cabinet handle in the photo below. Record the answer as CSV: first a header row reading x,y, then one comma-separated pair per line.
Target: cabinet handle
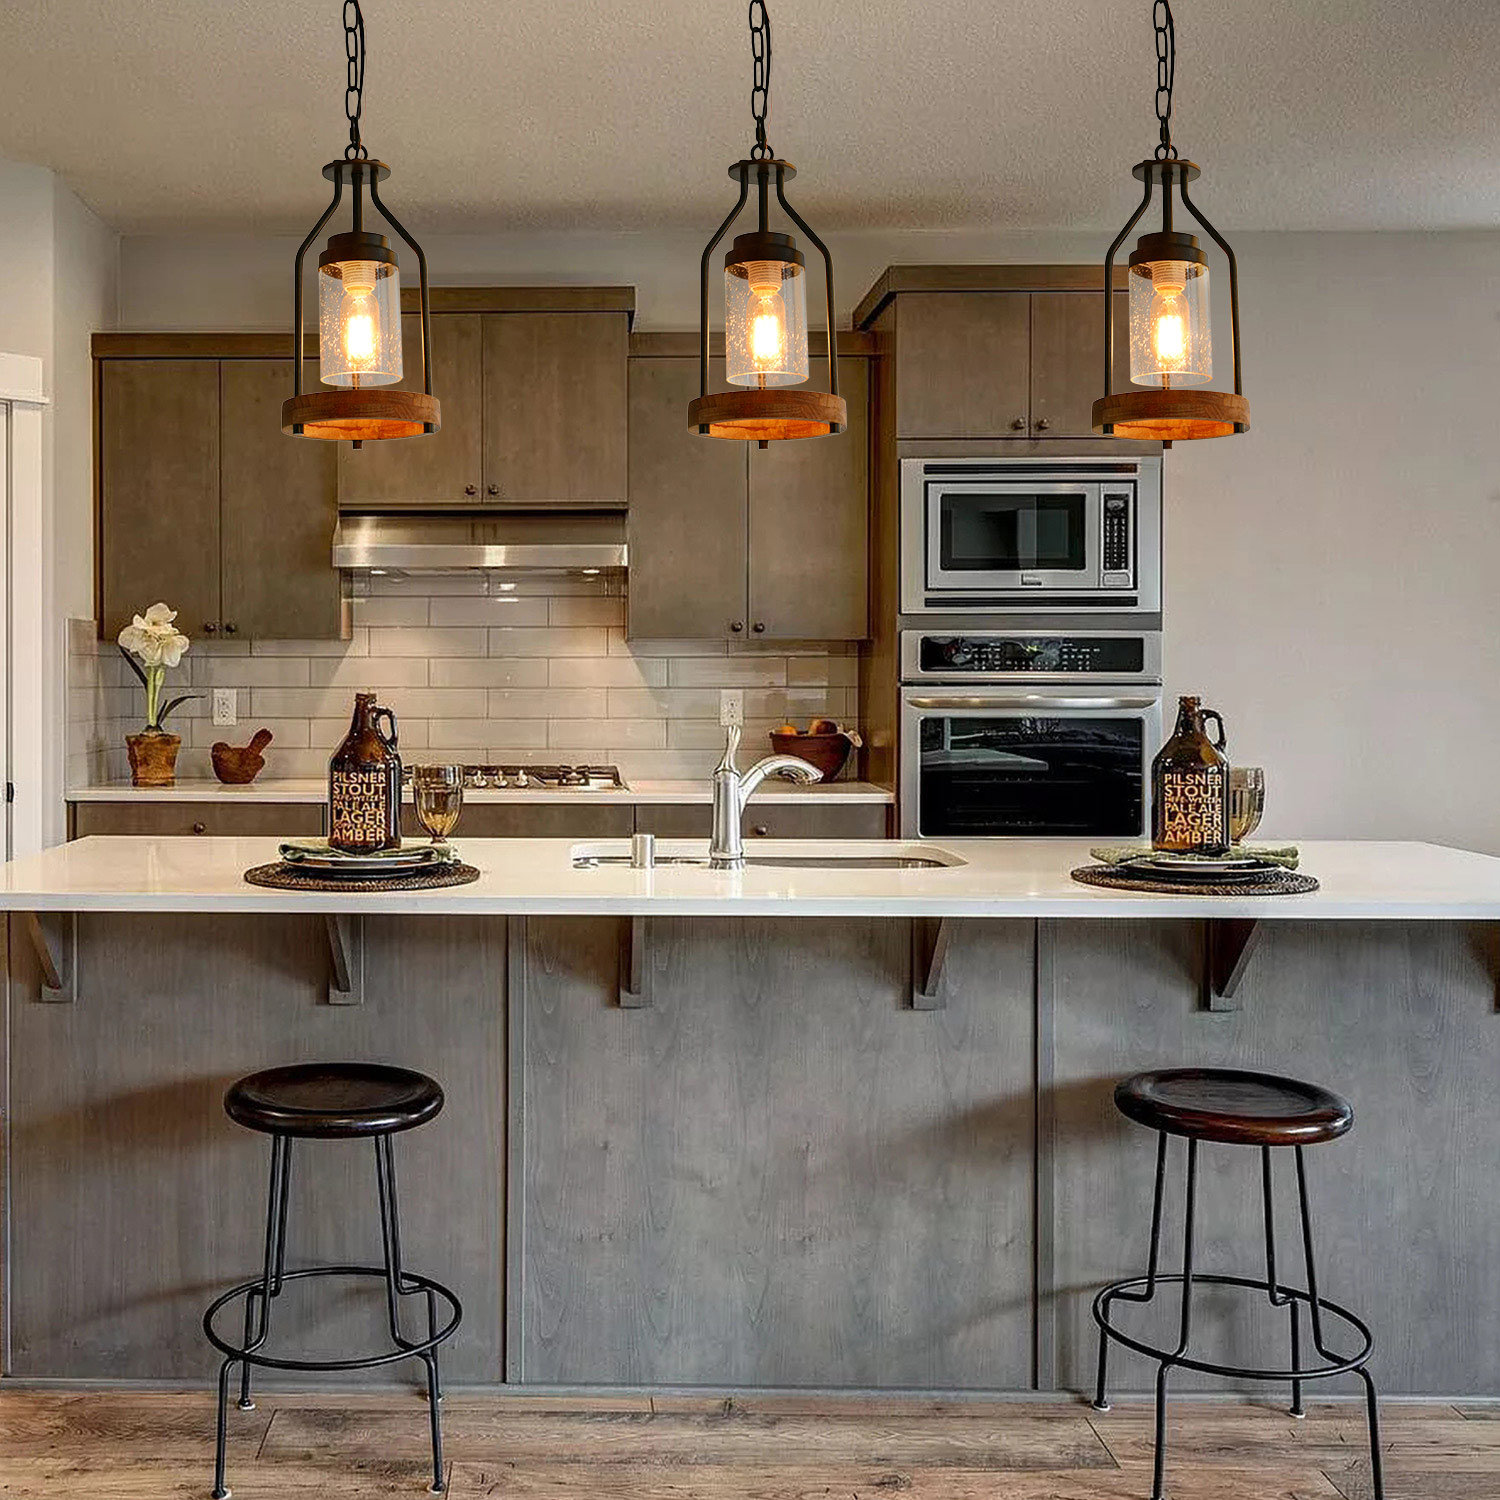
x,y
760,830
759,627
736,626
1018,424
200,828
471,489
492,489
1042,424
209,627
230,628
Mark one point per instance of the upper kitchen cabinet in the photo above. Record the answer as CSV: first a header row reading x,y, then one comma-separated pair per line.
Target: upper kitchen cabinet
x,y
985,352
202,501
730,541
532,382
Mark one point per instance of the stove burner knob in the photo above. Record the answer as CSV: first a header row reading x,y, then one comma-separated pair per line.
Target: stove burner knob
x,y
522,779
498,781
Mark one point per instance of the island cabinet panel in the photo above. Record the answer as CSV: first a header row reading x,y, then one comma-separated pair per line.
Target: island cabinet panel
x,y
555,408
278,508
441,469
134,1200
535,820
159,490
1397,1017
776,1173
773,820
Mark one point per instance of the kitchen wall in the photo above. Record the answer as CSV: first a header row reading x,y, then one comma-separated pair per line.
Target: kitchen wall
x,y
539,671
1330,575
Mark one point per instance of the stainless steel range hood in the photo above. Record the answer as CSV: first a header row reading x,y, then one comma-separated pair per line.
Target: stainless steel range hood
x,y
454,541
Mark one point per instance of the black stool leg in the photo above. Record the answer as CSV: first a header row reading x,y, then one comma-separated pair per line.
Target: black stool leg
x,y
1273,1285
1101,1400
1185,1321
221,1432
1372,1413
274,1263
396,1287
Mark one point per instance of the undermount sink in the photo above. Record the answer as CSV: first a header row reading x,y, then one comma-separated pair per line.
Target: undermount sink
x,y
801,855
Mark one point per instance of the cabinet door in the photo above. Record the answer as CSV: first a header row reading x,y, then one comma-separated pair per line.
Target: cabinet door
x,y
206,819
1067,360
962,364
439,469
809,524
686,527
278,503
555,408
159,490
767,820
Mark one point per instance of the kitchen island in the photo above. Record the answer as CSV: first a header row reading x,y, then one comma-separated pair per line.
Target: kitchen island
x,y
817,1125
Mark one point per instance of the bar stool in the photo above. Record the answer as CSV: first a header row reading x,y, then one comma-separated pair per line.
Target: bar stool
x,y
1238,1109
331,1101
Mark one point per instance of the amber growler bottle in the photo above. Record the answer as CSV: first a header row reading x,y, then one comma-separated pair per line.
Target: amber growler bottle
x,y
364,782
1190,785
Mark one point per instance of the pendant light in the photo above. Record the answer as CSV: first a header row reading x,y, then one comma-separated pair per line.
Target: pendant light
x,y
765,300
359,301
1171,346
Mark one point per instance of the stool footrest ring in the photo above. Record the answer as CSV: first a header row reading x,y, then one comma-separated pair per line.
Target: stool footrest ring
x,y
414,1349
1336,1366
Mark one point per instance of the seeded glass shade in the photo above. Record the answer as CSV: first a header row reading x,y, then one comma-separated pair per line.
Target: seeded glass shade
x,y
765,323
359,323
1171,343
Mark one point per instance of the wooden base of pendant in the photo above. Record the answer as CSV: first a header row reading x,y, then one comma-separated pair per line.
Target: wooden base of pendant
x,y
768,416
360,416
1171,416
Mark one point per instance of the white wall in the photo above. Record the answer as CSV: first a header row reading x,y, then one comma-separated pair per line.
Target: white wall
x,y
1331,576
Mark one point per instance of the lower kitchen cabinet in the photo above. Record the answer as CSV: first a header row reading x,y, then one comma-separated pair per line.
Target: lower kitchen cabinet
x,y
769,820
535,820
167,819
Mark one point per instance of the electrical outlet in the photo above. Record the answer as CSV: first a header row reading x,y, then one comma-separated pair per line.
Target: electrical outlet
x,y
731,707
226,710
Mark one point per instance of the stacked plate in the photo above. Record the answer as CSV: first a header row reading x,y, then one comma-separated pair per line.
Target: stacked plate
x,y
319,857
1188,869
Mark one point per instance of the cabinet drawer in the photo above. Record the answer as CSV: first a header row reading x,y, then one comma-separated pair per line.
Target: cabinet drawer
x,y
252,820
771,820
534,820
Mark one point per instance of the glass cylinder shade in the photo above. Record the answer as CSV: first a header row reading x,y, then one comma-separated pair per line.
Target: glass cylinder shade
x,y
1170,341
765,323
359,323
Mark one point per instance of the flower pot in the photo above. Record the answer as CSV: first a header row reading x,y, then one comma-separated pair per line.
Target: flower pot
x,y
153,757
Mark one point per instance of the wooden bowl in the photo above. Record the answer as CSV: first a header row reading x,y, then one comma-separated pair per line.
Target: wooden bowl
x,y
827,752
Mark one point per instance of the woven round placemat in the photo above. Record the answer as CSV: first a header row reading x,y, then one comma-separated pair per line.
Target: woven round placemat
x,y
1272,883
281,877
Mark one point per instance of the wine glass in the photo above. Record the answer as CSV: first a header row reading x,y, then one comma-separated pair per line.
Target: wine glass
x,y
437,794
1247,801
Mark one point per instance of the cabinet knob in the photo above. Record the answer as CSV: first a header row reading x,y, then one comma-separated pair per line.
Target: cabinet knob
x,y
471,489
1042,424
230,628
200,828
759,627
209,628
760,830
736,626
1018,424
492,489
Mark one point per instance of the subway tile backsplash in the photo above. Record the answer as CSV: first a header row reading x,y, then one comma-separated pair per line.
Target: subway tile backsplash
x,y
541,671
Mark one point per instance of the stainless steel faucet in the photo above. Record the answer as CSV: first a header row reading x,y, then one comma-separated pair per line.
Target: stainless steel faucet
x,y
733,788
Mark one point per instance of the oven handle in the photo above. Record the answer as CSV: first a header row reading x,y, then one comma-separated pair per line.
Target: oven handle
x,y
1025,700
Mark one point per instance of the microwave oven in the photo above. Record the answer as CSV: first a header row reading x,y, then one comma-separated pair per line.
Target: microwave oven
x,y
998,534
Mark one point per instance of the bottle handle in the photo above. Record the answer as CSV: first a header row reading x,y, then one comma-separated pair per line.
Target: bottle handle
x,y
1204,716
390,718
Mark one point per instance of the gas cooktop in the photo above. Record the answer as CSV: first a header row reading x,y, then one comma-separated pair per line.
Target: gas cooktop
x,y
544,778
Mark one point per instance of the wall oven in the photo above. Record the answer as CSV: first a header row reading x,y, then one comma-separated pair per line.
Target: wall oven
x,y
1029,735
1006,534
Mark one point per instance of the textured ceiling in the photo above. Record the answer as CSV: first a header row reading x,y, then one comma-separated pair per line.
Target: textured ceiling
x,y
504,115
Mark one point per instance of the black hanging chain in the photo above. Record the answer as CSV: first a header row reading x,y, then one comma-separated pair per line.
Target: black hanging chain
x,y
1166,68
760,87
354,91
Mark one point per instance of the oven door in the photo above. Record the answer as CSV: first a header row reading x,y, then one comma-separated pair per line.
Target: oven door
x,y
1012,762
1011,536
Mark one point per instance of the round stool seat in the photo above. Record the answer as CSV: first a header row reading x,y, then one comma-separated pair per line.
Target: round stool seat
x,y
333,1100
1239,1109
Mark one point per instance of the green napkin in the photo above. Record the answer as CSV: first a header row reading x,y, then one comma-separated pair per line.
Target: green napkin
x,y
1284,855
294,850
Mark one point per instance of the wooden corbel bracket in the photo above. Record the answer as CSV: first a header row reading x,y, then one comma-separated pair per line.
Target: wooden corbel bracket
x,y
1228,944
54,940
346,958
930,937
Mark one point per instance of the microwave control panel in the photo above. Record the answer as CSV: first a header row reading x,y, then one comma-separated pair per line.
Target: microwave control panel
x,y
1116,559
1055,655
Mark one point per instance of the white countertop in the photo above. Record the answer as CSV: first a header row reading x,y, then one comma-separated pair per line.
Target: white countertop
x,y
315,789
1002,878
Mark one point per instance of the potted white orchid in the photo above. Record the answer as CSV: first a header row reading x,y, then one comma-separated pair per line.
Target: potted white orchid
x,y
159,644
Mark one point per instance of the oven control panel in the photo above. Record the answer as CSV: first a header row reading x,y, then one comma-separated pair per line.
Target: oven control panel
x,y
1125,655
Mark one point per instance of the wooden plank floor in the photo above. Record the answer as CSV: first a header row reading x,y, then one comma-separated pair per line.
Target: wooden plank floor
x,y
114,1446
